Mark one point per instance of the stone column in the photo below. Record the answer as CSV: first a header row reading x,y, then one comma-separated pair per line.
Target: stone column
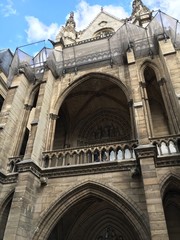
x,y
133,125
147,111
51,131
171,110
146,155
171,66
138,111
20,220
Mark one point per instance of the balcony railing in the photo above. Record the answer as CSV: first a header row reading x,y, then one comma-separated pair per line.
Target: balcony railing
x,y
90,154
168,145
168,149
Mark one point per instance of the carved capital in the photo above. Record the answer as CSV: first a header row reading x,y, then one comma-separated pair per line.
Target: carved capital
x,y
161,81
27,107
142,84
53,116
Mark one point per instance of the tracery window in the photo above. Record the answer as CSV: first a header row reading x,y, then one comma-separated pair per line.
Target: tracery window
x,y
104,32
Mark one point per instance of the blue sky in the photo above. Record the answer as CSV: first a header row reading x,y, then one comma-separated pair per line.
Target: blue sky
x,y
26,21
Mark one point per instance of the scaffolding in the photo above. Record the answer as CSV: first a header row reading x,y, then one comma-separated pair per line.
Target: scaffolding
x,y
109,50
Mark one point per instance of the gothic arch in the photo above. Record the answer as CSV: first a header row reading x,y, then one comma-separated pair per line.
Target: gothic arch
x,y
8,196
4,212
170,179
92,189
86,77
94,97
28,116
170,189
153,95
154,66
32,94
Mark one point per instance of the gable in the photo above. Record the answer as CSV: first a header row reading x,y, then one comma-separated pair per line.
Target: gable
x,y
102,24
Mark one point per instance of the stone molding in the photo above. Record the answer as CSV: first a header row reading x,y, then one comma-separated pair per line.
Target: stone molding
x,y
76,170
167,161
29,166
146,151
9,178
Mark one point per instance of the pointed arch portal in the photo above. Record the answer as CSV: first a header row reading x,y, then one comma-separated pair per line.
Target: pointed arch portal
x,y
93,211
171,202
95,109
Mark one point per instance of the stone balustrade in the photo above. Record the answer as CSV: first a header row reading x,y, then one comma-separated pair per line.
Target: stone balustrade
x,y
167,145
90,154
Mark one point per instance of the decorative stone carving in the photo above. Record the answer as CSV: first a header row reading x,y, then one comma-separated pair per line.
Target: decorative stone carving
x,y
27,107
68,33
141,15
53,116
162,81
138,7
70,22
135,171
142,84
109,234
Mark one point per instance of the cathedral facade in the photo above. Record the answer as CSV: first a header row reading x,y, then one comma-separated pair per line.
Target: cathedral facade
x,y
90,132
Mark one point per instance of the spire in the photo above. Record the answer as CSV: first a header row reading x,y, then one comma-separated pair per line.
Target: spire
x,y
67,34
70,22
140,13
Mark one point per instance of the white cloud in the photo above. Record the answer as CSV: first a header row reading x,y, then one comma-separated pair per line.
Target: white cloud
x,y
85,13
170,7
8,8
39,31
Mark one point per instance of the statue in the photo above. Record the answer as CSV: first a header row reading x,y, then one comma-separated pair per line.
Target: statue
x,y
70,22
138,6
68,33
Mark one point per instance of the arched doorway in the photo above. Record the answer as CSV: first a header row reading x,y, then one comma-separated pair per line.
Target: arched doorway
x,y
171,203
93,211
93,219
4,213
95,111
